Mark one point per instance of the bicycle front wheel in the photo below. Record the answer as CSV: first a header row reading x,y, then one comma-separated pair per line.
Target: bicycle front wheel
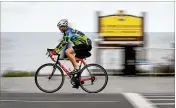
x,y
49,78
93,78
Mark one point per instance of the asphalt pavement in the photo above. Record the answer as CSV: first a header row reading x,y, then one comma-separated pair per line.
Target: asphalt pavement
x,y
75,100
31,100
120,92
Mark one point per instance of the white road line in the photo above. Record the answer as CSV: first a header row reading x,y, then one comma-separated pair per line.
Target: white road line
x,y
159,96
161,99
164,103
165,94
58,101
138,101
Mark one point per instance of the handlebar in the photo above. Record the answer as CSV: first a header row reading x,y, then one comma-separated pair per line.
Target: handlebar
x,y
48,53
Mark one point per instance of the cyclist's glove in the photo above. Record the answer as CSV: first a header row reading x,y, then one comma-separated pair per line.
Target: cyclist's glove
x,y
53,52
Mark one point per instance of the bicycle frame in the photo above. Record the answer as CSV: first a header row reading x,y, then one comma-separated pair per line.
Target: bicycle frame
x,y
67,72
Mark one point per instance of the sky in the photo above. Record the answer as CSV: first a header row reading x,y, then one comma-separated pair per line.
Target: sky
x,y
31,17
43,16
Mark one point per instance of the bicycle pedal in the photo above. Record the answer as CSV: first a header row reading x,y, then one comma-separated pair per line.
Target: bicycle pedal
x,y
82,82
75,86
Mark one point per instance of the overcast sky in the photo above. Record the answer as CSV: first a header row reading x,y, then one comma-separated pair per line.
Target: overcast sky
x,y
43,16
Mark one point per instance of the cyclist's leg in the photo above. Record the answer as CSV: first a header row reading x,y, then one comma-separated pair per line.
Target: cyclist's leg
x,y
78,49
69,52
77,59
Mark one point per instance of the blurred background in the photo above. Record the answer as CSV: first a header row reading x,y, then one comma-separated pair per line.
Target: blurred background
x,y
29,28
133,67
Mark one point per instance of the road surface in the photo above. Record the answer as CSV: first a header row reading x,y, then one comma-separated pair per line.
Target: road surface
x,y
121,92
125,100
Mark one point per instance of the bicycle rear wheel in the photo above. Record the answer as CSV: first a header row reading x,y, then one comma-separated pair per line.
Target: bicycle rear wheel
x,y
93,78
49,78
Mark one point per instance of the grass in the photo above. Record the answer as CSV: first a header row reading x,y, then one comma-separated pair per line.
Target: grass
x,y
158,69
17,74
164,69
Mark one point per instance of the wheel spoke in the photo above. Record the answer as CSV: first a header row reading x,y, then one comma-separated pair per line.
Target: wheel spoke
x,y
95,78
49,79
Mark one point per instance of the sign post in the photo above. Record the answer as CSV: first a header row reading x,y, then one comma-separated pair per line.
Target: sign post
x,y
130,60
122,27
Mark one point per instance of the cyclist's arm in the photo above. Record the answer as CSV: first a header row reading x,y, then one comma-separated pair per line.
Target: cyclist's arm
x,y
62,44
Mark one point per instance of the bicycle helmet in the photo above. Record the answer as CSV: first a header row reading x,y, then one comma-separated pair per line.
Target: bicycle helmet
x,y
62,23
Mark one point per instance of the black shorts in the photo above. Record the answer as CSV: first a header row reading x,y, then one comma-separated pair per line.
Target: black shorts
x,y
82,50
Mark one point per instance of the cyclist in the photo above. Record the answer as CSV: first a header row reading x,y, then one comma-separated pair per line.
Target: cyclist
x,y
82,43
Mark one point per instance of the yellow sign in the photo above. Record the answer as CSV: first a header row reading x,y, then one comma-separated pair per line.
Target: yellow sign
x,y
121,25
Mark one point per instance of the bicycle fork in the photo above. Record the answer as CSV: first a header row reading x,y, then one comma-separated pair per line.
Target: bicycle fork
x,y
54,69
92,77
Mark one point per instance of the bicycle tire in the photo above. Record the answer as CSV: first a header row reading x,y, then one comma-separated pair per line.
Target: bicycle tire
x,y
51,91
106,78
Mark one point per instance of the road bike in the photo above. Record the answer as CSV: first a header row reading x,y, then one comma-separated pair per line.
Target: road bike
x,y
92,78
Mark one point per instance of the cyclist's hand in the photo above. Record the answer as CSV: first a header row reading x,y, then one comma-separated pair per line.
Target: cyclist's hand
x,y
52,53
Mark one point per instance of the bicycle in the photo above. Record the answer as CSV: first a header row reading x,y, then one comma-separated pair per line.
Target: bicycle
x,y
81,79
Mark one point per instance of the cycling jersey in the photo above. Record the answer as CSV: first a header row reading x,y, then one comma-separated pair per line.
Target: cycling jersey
x,y
76,36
